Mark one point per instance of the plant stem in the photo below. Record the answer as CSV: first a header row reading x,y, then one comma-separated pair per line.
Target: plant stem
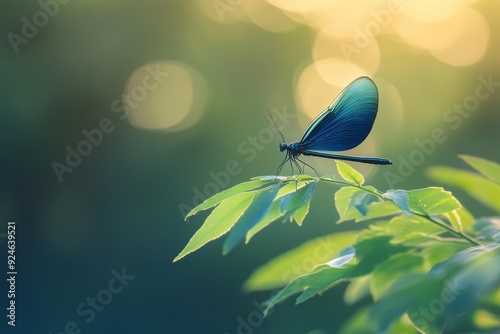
x,y
449,228
425,216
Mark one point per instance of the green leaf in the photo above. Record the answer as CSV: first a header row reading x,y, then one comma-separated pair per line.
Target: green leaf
x,y
374,230
440,251
458,284
273,214
343,200
361,200
393,305
349,209
319,280
432,200
357,290
475,185
222,218
461,220
349,174
300,214
409,228
370,253
375,210
374,251
343,258
450,289
488,168
386,273
223,195
298,261
255,212
361,323
488,228
466,219
291,199
400,198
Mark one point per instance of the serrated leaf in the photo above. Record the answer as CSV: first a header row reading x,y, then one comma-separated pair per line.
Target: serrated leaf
x,y
400,198
222,218
300,214
432,200
294,200
343,199
322,278
285,194
298,261
273,214
349,174
255,212
223,195
488,168
475,185
323,282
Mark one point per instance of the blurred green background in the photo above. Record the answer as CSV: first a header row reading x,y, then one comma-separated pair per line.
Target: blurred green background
x,y
179,88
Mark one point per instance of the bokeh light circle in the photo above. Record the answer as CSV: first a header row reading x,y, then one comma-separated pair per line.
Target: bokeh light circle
x,y
471,44
366,57
167,95
268,17
320,82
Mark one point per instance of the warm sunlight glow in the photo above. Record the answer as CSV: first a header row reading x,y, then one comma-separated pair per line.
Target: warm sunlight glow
x,y
166,95
319,83
338,72
471,44
365,56
268,17
305,6
431,10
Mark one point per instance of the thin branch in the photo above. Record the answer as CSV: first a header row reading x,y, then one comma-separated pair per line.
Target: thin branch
x,y
450,229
